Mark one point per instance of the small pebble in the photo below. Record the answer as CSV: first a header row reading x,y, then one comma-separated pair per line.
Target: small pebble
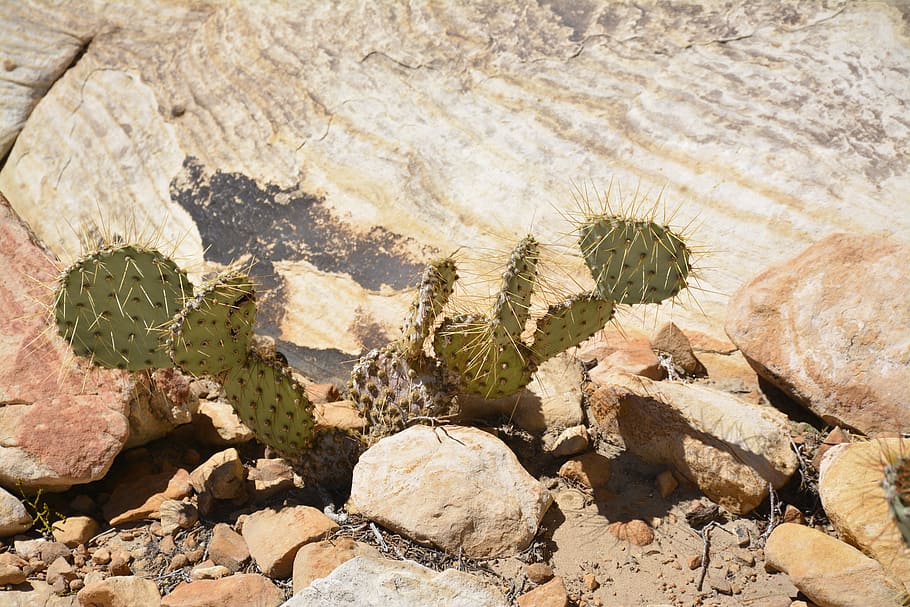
x,y
590,582
539,573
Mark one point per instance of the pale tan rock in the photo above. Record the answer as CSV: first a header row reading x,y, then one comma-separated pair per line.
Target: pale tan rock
x,y
222,476
626,351
216,423
75,530
120,591
12,568
141,498
365,580
828,571
539,573
590,469
271,476
850,488
207,570
549,594
241,590
14,518
228,548
273,537
671,342
457,488
340,414
177,514
826,327
571,441
59,573
731,449
319,559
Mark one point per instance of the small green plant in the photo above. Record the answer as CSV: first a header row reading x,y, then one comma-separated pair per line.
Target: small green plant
x,y
43,518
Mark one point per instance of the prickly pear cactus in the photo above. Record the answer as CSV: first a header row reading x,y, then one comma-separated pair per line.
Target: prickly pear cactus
x,y
896,484
392,390
569,323
432,295
111,305
212,333
513,303
271,403
633,261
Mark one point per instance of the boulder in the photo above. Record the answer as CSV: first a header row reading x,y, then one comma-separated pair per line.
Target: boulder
x,y
457,488
731,449
829,328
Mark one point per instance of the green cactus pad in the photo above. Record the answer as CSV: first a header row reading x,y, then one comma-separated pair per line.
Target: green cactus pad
x,y
212,332
569,323
433,293
634,261
111,304
513,305
484,358
392,389
272,404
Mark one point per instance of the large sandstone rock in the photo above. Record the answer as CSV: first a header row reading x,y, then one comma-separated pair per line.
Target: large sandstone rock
x,y
831,327
460,489
342,145
62,422
731,449
850,487
366,581
828,571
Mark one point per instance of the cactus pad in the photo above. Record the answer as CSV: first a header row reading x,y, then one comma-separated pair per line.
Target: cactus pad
x,y
634,261
271,403
486,360
212,332
111,304
391,390
513,304
569,323
433,293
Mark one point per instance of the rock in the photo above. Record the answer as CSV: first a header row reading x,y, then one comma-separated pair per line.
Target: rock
x,y
228,548
550,594
627,351
216,423
850,488
826,327
829,571
62,422
590,582
41,549
836,436
571,441
364,581
460,489
35,593
59,574
120,591
732,450
75,530
270,477
636,532
177,515
241,590
207,570
338,413
539,573
12,569
120,563
222,476
671,343
666,484
319,559
141,498
321,393
161,402
551,400
14,518
273,537
591,470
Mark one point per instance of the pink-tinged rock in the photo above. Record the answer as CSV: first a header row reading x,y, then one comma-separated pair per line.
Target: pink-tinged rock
x,y
591,470
672,343
626,350
828,571
140,498
241,590
319,559
550,594
274,537
831,327
228,548
120,591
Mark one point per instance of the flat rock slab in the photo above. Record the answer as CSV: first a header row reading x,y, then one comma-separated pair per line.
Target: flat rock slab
x,y
375,582
731,449
345,145
460,489
62,422
831,327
